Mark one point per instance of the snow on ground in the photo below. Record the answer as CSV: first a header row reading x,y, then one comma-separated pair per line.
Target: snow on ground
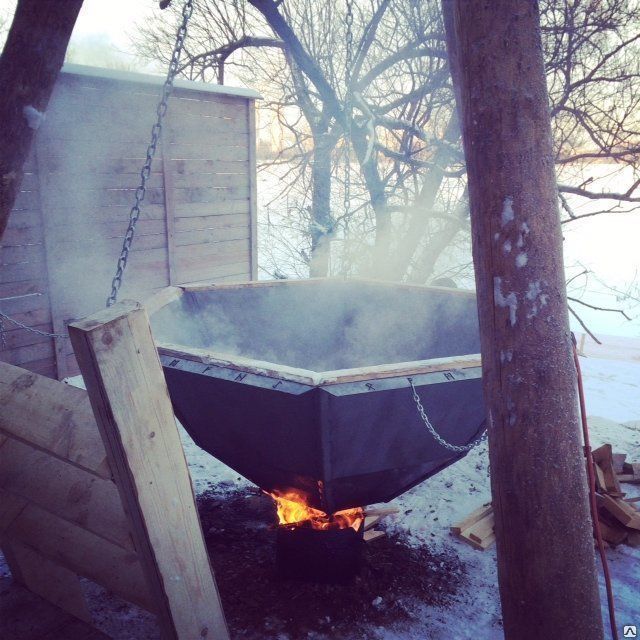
x,y
612,389
426,512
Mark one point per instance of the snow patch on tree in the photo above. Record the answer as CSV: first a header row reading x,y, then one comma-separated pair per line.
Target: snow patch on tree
x,y
509,301
33,117
507,211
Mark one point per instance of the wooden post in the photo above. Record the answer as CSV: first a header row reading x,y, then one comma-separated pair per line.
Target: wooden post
x,y
124,378
546,567
253,191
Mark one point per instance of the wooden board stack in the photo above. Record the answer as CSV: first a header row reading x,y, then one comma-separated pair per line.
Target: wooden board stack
x,y
372,518
619,517
477,529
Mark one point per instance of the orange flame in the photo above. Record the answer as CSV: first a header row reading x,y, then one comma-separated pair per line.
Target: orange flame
x,y
293,511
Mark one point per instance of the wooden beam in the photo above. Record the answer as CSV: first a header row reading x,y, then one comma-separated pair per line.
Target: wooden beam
x,y
546,565
253,191
80,551
121,368
51,416
65,490
45,578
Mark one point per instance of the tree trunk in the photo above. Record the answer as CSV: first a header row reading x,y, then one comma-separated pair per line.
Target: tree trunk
x,y
29,66
546,566
321,220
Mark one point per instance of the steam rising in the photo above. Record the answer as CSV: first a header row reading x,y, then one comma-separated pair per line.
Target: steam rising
x,y
324,326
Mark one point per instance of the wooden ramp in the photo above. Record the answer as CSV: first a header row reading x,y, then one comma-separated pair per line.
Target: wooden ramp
x,y
109,499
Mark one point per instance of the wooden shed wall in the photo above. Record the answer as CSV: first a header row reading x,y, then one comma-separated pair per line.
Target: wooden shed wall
x,y
64,236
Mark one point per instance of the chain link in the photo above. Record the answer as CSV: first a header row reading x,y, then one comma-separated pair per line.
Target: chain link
x,y
436,436
145,172
3,340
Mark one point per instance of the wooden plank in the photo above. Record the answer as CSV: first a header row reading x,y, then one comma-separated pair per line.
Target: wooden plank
x,y
480,546
210,194
169,207
191,151
11,507
215,221
51,267
21,271
26,253
208,165
228,207
603,457
618,461
472,518
253,197
30,353
620,510
82,552
68,164
213,180
20,235
162,298
119,361
45,578
16,337
482,529
64,490
211,236
370,536
613,535
51,416
13,289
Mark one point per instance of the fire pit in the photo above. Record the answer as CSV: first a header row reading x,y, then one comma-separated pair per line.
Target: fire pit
x,y
305,386
311,545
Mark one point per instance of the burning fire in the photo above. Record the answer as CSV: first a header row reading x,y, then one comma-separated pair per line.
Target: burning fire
x,y
293,511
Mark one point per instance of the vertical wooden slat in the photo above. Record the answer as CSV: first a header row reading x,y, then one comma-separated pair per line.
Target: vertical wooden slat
x,y
131,403
170,213
57,322
253,195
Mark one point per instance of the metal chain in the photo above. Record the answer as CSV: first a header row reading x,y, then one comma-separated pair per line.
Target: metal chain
x,y
3,340
348,110
436,436
156,131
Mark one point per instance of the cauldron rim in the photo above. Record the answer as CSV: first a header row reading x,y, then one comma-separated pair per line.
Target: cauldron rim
x,y
298,375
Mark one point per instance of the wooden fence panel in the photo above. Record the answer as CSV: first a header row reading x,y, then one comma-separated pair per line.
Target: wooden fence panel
x,y
65,233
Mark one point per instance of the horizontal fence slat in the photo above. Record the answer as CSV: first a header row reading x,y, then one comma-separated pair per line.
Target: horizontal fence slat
x,y
51,416
16,337
191,166
64,490
191,209
184,151
219,221
21,271
212,180
9,289
82,552
211,236
30,353
24,253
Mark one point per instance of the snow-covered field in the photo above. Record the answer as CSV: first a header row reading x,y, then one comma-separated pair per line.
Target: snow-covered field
x,y
426,512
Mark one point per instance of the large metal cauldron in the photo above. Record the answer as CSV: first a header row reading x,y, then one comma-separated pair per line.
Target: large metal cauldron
x,y
304,384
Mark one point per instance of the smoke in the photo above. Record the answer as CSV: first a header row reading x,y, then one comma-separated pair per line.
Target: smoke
x,y
324,325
